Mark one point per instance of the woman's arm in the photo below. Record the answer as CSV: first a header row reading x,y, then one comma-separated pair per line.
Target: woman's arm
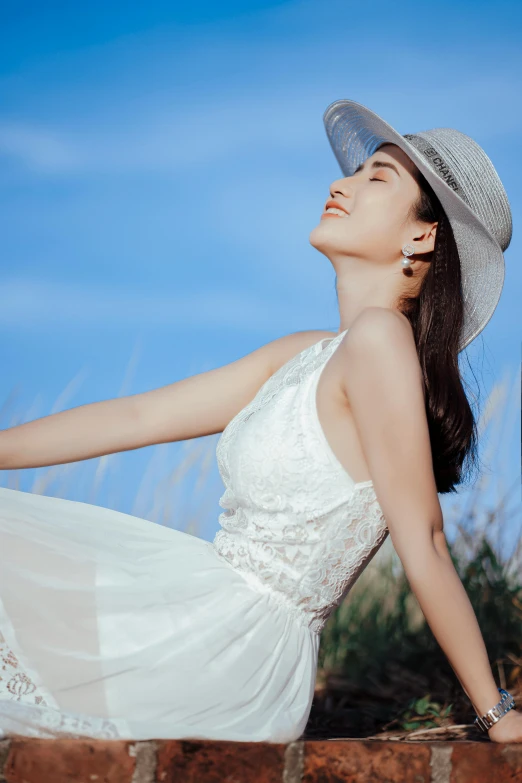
x,y
383,383
202,404
191,407
450,615
68,436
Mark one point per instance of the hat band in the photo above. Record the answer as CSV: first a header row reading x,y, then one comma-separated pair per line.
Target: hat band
x,y
437,163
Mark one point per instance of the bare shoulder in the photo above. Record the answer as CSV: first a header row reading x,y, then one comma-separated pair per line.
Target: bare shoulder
x,y
381,333
387,329
286,347
379,322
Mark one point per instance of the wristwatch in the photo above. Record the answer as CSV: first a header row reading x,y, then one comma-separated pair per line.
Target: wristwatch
x,y
492,716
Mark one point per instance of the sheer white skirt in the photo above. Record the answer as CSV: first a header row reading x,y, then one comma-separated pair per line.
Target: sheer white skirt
x,y
114,626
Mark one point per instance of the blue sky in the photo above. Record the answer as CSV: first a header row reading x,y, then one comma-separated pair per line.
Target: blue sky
x,y
161,168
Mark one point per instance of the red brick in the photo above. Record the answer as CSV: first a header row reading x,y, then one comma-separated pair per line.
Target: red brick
x,y
190,761
366,761
488,762
69,760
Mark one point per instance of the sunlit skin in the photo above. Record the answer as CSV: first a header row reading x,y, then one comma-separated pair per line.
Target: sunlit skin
x,y
365,247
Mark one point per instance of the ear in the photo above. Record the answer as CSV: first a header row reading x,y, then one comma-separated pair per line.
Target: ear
x,y
423,239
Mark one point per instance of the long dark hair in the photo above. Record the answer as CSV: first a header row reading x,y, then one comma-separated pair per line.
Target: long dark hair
x,y
436,315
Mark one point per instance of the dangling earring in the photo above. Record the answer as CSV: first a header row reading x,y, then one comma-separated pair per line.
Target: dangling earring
x,y
407,250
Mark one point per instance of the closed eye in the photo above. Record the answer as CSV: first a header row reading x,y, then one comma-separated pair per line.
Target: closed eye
x,y
375,179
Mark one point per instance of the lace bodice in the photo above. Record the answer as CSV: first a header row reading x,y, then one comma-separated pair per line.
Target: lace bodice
x,y
295,523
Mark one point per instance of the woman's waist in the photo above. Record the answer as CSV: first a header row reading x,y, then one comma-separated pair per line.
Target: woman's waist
x,y
267,570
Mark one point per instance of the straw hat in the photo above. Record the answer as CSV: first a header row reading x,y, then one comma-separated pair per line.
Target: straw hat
x,y
466,183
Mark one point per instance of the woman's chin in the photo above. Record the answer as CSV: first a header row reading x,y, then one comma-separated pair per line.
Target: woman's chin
x,y
322,237
316,233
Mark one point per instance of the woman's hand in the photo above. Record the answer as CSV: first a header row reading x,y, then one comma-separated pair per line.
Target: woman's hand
x,y
508,728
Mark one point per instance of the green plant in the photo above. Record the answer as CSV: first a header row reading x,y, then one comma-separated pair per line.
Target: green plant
x,y
423,713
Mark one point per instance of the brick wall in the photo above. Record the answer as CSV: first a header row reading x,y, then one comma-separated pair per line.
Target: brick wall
x,y
24,760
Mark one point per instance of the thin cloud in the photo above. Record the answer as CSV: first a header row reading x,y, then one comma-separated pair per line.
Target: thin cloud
x,y
165,141
285,120
37,148
29,304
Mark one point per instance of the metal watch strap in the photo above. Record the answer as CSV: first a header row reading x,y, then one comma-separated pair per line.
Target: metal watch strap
x,y
492,716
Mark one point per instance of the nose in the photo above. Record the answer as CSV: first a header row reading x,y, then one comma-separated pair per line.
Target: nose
x,y
341,187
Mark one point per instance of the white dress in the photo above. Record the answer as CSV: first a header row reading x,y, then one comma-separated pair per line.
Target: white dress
x,y
112,626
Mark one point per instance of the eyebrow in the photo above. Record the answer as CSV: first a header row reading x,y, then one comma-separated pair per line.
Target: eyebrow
x,y
378,164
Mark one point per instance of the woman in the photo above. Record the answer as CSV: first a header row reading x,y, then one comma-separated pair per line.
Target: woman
x,y
114,626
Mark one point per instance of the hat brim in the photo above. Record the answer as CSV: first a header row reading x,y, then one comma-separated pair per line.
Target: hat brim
x,y
354,133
